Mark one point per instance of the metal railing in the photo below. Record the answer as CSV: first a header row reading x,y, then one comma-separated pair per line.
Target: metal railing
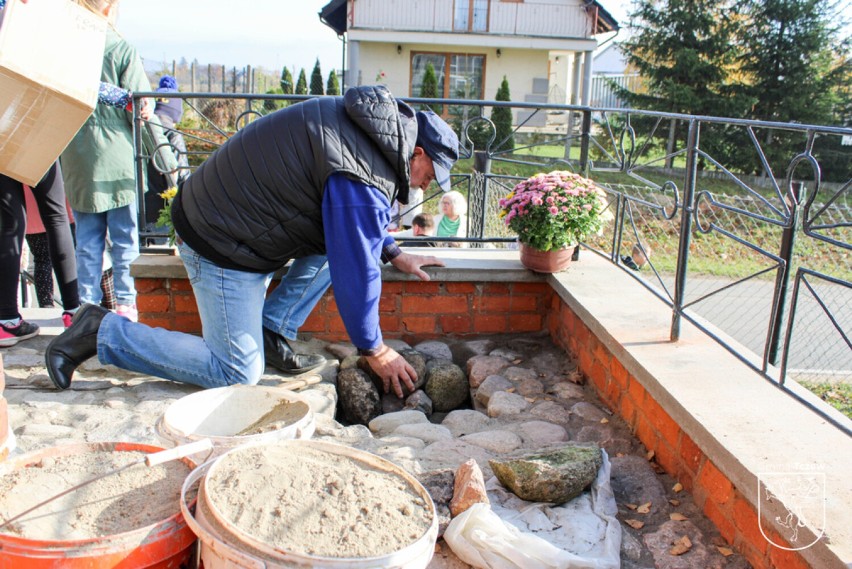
x,y
746,225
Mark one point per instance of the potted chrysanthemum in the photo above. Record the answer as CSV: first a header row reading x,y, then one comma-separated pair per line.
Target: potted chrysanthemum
x,y
551,213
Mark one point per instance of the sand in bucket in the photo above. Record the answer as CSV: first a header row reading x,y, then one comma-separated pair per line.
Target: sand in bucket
x,y
310,501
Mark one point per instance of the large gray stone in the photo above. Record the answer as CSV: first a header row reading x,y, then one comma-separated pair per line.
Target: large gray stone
x,y
446,386
413,357
480,367
491,385
387,424
504,404
497,441
465,421
556,475
359,401
537,434
432,349
419,401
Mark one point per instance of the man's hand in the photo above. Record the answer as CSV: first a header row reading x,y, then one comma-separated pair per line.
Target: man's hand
x,y
393,369
410,264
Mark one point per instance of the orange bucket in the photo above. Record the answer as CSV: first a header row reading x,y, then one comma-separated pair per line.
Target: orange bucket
x,y
167,544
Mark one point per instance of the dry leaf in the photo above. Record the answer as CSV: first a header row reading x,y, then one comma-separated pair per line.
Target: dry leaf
x,y
651,454
677,487
657,468
604,421
644,508
619,454
511,390
677,517
516,362
674,502
635,524
575,377
726,551
681,546
631,506
530,399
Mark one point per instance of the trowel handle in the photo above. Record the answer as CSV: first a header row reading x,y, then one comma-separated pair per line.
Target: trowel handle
x,y
178,452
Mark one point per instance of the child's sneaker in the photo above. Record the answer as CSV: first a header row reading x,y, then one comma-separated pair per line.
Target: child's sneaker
x,y
128,311
66,319
11,335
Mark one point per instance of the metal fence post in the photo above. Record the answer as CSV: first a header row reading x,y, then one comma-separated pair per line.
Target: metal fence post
x,y
482,171
585,141
685,227
788,240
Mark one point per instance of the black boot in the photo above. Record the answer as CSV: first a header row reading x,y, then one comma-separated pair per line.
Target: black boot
x,y
75,345
281,356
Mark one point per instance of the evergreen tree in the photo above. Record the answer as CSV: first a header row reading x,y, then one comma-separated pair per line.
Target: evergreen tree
x,y
796,68
302,83
502,119
332,87
429,87
286,81
316,80
685,50
270,105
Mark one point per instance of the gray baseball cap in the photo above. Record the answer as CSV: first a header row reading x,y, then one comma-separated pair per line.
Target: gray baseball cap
x,y
440,143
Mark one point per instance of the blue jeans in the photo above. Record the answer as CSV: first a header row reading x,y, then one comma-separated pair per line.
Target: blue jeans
x,y
290,304
91,241
230,350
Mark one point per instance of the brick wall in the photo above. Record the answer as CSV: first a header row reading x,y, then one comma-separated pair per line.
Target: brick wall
x,y
414,311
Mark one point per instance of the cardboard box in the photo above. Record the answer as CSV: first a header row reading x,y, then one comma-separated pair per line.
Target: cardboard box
x,y
51,53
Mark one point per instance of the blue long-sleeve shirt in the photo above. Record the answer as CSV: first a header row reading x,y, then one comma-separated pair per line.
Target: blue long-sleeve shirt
x,y
355,217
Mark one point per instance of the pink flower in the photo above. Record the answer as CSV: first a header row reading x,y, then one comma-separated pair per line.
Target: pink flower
x,y
553,210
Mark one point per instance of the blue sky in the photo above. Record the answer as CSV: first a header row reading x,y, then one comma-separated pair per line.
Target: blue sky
x,y
269,33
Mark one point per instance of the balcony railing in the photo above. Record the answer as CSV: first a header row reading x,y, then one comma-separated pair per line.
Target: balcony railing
x,y
504,18
752,247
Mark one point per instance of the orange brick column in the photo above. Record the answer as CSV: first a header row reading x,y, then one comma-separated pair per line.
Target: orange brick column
x,y
734,516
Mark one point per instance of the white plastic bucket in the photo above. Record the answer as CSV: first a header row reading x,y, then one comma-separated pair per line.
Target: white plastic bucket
x,y
220,413
225,546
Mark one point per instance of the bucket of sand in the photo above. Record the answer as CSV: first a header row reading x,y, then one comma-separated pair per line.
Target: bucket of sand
x,y
130,519
305,503
235,415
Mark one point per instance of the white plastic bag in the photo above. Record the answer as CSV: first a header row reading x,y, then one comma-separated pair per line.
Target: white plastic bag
x,y
515,534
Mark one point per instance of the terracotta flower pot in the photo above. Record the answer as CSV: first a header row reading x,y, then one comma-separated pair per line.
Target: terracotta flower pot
x,y
546,261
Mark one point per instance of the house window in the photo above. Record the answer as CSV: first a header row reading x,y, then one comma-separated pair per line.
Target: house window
x,y
460,76
471,16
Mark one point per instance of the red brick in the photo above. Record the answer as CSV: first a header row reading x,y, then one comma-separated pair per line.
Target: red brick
x,y
582,334
690,453
602,354
153,303
451,304
525,323
419,305
314,323
584,360
645,432
144,286
157,321
460,288
636,391
524,304
666,457
419,324
619,373
421,287
489,323
185,303
179,284
335,325
745,519
390,323
534,288
662,422
495,288
388,303
627,409
784,559
755,558
391,288
189,323
455,324
495,303
720,520
719,488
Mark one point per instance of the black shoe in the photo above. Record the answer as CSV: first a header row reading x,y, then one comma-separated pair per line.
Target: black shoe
x,y
75,345
281,356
